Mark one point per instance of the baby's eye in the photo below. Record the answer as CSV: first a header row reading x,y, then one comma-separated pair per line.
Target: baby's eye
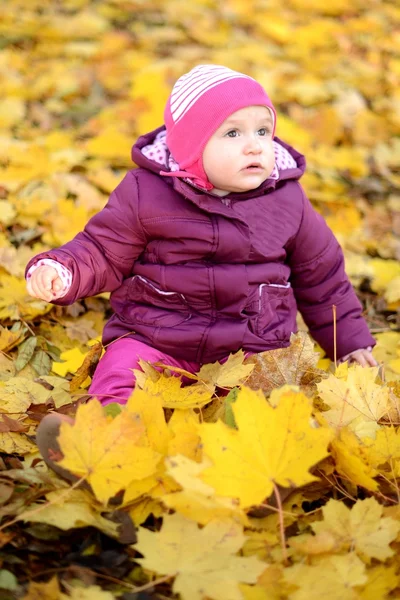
x,y
232,133
263,131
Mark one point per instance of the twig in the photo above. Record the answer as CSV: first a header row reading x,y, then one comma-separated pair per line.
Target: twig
x,y
29,513
28,327
334,335
336,486
153,583
281,523
274,509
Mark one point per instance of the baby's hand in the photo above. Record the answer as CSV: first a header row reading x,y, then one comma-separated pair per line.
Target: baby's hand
x,y
44,283
363,357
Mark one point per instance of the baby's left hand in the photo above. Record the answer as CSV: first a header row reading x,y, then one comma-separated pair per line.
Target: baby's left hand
x,y
363,357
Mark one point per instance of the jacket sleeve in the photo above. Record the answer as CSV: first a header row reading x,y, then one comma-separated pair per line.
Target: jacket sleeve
x,y
102,255
319,282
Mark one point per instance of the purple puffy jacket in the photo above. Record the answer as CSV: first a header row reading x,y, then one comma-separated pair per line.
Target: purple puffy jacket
x,y
200,279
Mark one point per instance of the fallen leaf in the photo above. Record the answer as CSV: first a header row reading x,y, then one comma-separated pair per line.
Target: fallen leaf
x,y
107,453
43,591
333,578
295,365
202,561
272,446
356,396
361,529
70,511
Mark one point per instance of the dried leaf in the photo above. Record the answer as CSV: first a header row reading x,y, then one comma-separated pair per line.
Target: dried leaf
x,y
295,365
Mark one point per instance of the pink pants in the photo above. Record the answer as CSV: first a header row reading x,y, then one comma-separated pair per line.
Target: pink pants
x,y
114,380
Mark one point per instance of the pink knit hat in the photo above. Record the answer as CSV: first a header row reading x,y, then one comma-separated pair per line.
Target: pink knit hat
x,y
199,103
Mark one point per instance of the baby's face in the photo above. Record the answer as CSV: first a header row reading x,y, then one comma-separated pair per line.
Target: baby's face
x,y
239,156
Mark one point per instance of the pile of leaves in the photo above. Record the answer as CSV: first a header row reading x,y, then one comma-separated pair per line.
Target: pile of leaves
x,y
171,490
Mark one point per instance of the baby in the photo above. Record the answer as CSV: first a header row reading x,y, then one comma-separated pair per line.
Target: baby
x,y
210,246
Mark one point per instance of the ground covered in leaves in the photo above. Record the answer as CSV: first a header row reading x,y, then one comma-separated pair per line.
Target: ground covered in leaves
x,y
168,487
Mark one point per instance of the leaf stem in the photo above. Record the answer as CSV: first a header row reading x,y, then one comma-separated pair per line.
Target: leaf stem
x,y
281,523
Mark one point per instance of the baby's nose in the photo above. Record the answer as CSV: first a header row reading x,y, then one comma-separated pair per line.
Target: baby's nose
x,y
254,145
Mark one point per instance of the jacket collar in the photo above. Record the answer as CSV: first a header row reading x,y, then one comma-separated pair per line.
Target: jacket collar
x,y
206,200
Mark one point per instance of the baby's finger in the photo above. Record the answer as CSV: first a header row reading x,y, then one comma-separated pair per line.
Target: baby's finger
x,y
372,362
359,358
57,285
35,287
46,278
40,285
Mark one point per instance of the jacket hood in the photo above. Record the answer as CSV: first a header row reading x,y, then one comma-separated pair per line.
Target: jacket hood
x,y
162,163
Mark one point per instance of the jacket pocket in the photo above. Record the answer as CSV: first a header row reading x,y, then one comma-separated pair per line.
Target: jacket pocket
x,y
277,311
146,304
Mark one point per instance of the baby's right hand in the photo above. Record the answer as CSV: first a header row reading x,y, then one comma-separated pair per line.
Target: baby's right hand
x,y
44,283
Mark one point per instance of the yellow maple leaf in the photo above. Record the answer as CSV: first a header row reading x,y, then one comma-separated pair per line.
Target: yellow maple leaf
x,y
146,371
148,408
18,393
203,560
12,442
387,347
381,581
72,360
270,585
64,221
333,578
313,545
159,436
109,453
227,375
174,395
384,271
7,212
141,487
143,508
15,302
150,86
91,592
197,500
75,510
9,338
392,292
45,591
12,111
351,459
383,453
185,440
356,397
271,446
111,144
105,179
361,529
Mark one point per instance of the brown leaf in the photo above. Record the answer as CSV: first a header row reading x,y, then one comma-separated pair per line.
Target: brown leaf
x,y
6,492
87,367
295,365
9,424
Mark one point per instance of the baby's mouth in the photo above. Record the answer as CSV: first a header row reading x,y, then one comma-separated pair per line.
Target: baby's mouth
x,y
253,167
